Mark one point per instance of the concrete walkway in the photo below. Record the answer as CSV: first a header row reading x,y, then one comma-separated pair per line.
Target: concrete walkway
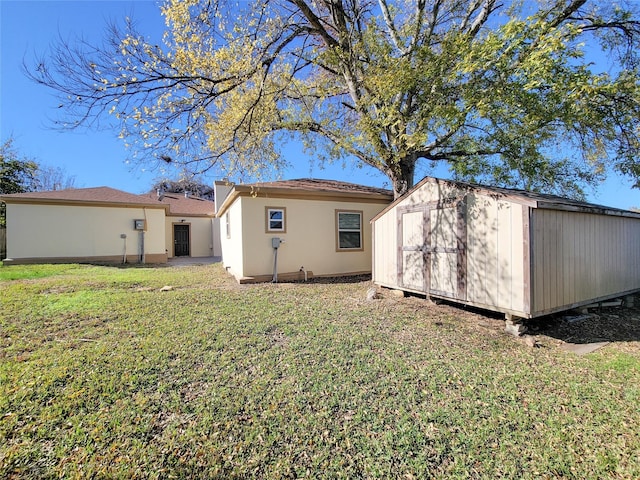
x,y
186,261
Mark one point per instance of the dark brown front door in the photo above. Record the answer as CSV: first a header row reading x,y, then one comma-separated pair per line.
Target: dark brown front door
x,y
181,240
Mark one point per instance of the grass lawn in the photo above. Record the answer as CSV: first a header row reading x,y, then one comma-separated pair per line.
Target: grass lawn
x,y
104,375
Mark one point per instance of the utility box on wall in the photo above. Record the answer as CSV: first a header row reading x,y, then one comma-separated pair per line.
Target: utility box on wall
x,y
140,224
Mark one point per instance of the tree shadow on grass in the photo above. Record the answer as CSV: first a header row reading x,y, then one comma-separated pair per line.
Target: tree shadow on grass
x,y
336,280
601,324
605,324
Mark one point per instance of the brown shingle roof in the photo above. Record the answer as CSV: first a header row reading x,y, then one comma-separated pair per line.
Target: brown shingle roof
x,y
319,185
97,195
180,205
308,188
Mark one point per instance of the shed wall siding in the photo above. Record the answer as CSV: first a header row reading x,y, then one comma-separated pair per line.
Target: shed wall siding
x,y
495,255
578,257
494,242
385,261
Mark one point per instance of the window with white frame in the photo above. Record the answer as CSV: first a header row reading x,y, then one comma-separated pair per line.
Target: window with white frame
x,y
227,218
349,230
275,219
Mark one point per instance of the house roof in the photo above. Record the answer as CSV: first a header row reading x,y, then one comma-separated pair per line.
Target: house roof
x,y
105,196
308,189
181,205
315,185
524,197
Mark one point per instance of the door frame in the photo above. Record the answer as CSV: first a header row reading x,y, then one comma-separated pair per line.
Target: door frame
x,y
174,241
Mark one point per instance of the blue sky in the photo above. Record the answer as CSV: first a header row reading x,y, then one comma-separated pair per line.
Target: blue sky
x,y
97,158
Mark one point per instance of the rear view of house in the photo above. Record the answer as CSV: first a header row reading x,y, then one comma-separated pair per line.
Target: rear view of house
x,y
510,251
191,229
99,224
106,225
289,229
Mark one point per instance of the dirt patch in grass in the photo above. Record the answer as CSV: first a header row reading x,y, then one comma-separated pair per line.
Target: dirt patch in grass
x,y
616,327
614,324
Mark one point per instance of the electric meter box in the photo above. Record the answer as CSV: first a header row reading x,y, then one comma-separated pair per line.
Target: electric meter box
x,y
139,225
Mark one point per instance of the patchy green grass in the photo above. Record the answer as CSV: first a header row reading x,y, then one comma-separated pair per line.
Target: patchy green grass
x,y
104,375
20,272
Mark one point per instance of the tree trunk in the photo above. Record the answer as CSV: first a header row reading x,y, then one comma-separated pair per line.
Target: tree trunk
x,y
401,176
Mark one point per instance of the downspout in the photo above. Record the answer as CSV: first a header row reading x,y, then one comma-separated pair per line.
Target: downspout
x,y
144,212
275,265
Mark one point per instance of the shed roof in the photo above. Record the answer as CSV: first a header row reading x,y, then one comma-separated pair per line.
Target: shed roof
x,y
94,196
524,197
308,189
181,205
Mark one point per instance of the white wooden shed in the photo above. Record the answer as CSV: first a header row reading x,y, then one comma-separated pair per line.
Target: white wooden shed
x,y
516,252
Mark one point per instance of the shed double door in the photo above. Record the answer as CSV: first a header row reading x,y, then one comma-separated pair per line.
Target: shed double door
x,y
432,249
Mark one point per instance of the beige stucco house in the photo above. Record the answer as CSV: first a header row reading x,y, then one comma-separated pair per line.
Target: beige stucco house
x,y
288,229
103,224
516,252
191,228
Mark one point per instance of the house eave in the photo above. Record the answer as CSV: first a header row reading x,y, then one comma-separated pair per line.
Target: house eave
x,y
292,193
82,203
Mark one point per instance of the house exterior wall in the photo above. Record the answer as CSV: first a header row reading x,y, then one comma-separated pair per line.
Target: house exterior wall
x,y
309,238
477,244
56,233
204,235
215,237
580,257
231,239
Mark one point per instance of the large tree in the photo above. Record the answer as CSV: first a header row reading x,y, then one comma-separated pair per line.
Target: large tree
x,y
185,184
18,174
500,91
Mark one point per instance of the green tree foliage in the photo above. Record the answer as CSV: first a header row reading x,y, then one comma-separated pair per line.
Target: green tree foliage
x,y
504,92
17,174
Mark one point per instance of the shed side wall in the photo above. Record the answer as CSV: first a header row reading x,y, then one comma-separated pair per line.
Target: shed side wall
x,y
579,257
495,254
385,245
